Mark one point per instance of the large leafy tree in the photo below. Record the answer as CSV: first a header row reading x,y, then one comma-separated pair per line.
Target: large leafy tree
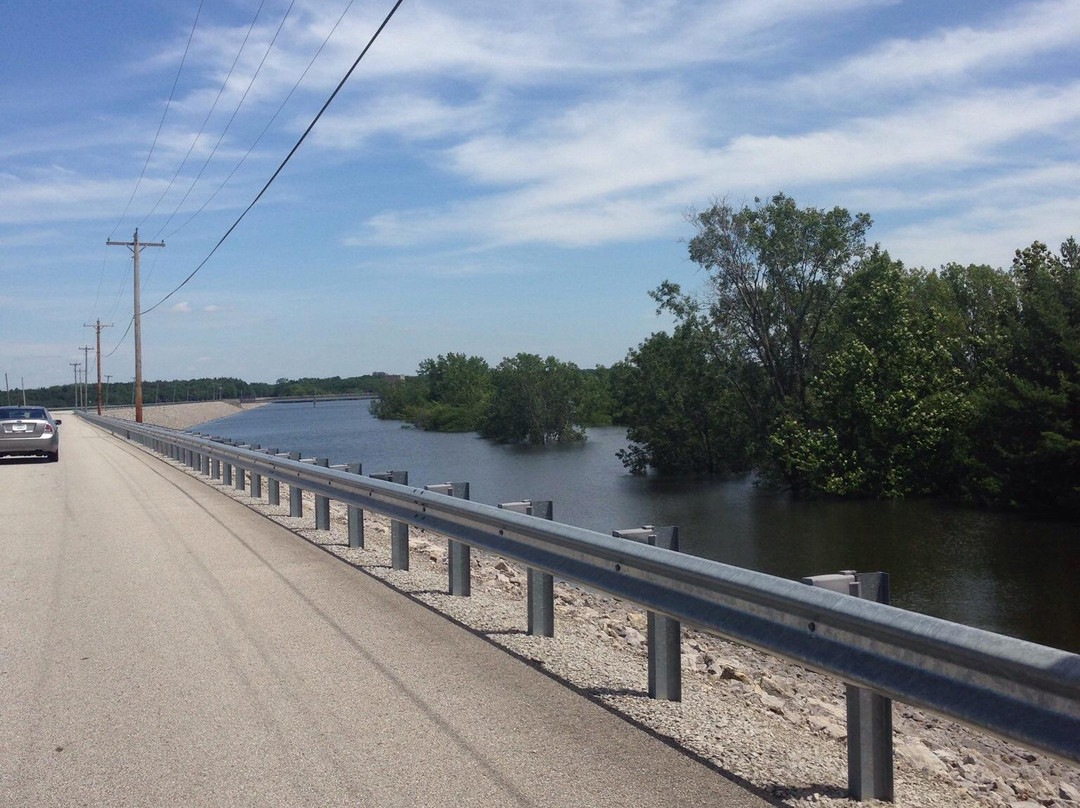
x,y
459,391
682,413
886,409
536,401
774,275
1032,426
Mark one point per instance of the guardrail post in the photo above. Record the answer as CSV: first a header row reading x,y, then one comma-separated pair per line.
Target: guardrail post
x,y
399,531
356,515
540,596
869,715
226,470
215,468
458,554
256,479
664,633
296,494
238,472
322,504
273,486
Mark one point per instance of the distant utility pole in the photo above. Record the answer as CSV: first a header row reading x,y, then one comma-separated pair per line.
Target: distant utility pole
x,y
97,328
75,367
136,247
6,387
22,386
108,381
86,349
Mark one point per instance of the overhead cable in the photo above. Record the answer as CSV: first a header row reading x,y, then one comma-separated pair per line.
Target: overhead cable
x,y
288,157
269,123
229,123
213,106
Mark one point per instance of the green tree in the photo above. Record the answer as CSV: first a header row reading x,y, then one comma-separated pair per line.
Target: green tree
x,y
681,411
1032,426
535,401
886,409
459,391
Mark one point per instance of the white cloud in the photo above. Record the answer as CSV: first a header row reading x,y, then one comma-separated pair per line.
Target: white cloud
x,y
952,53
182,307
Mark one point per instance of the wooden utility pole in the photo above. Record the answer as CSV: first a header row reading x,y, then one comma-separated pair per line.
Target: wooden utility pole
x,y
75,367
136,247
86,349
97,329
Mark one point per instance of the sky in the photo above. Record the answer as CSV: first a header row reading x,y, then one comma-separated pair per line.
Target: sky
x,y
495,177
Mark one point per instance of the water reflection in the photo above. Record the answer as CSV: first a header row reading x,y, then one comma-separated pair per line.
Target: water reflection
x,y
997,571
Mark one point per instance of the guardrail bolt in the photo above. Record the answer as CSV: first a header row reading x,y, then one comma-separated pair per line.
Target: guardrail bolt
x,y
540,594
458,554
399,531
355,514
664,633
869,715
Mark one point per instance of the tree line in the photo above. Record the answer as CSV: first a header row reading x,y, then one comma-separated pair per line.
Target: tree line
x,y
819,362
524,399
167,391
829,367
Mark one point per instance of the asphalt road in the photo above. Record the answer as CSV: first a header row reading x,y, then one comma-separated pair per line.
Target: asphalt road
x,y
161,644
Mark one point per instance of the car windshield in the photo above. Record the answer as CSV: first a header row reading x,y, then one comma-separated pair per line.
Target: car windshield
x,y
22,413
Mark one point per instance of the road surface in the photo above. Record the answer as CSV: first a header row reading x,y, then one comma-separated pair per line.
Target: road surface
x,y
163,645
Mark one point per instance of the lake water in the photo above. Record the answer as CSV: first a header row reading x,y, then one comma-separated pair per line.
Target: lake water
x,y
1007,573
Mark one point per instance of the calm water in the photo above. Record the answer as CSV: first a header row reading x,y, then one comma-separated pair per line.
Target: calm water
x,y
1001,572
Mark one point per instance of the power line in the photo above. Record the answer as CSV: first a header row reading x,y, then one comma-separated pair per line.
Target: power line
x,y
153,145
269,123
161,123
206,120
232,118
288,157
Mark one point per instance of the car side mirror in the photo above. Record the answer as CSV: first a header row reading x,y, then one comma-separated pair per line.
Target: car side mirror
x,y
58,422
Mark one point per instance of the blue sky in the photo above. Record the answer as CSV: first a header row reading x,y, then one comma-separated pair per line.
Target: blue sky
x,y
495,177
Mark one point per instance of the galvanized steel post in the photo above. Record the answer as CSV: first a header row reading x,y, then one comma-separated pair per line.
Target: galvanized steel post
x,y
238,472
540,597
355,514
399,531
322,504
296,495
458,554
664,633
256,479
273,486
869,716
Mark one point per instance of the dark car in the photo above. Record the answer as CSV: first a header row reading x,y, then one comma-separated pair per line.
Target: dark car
x,y
29,431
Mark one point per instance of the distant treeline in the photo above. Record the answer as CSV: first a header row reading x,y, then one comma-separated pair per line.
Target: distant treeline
x,y
819,362
161,391
524,399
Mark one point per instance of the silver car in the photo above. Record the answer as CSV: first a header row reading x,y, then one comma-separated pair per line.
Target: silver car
x,y
29,431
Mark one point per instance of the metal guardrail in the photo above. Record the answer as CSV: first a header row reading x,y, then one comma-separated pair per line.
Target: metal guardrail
x,y
1015,689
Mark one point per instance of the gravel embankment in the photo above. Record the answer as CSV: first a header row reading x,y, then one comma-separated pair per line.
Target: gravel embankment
x,y
776,727
188,414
